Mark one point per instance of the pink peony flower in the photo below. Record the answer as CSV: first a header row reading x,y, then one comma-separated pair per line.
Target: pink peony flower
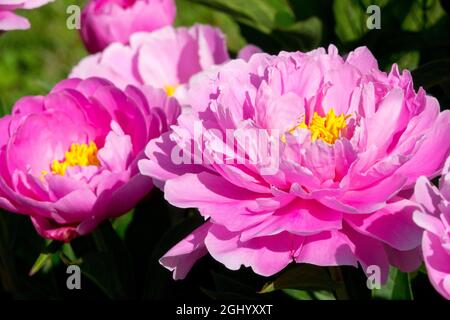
x,y
165,59
248,51
304,157
9,20
434,217
106,21
69,159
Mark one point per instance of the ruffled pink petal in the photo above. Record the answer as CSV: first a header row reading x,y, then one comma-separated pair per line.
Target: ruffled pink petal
x,y
76,206
427,196
10,21
343,81
6,204
369,252
161,59
362,59
433,153
182,256
205,190
161,165
393,225
391,116
60,186
116,154
437,262
50,230
212,45
265,255
248,51
298,217
406,261
428,222
125,112
32,4
36,136
327,249
127,196
367,200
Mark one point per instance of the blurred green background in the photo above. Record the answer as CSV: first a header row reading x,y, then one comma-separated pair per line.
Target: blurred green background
x,y
414,34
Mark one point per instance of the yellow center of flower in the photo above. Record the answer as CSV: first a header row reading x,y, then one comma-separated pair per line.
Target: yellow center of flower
x,y
327,128
170,89
78,155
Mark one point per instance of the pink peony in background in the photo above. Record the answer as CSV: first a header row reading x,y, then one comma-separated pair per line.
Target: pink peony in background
x,y
69,159
348,141
165,59
106,21
9,20
248,51
434,218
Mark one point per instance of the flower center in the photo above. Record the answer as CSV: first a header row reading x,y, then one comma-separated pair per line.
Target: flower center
x,y
170,89
78,155
326,128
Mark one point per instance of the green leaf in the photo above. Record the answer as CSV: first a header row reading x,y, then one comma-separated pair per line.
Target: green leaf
x,y
303,35
298,294
68,252
189,13
40,262
309,295
407,60
323,295
305,277
423,14
284,19
411,16
52,248
398,287
350,20
122,223
263,15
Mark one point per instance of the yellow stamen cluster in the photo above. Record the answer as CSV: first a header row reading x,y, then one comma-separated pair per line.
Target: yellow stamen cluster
x,y
170,89
78,155
326,128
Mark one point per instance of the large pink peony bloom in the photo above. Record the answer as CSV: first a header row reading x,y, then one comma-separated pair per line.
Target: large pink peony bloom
x,y
434,217
69,159
11,21
324,152
165,59
106,21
